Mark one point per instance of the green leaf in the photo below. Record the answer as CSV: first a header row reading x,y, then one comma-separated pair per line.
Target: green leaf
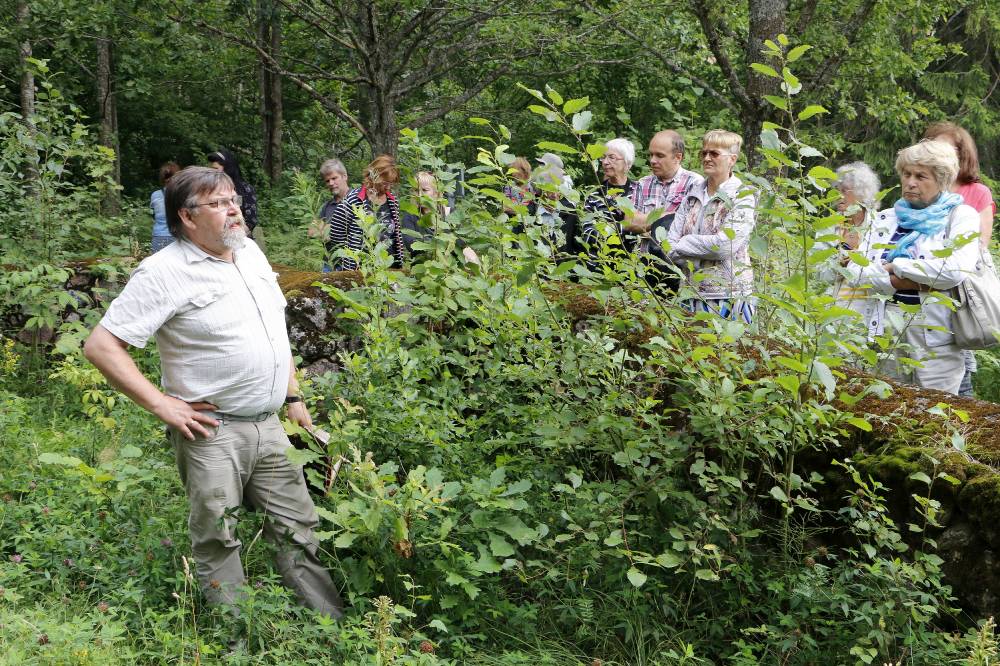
x,y
822,173
779,494
554,96
765,70
500,546
706,574
479,121
860,423
810,111
790,383
549,114
797,52
574,105
344,540
581,121
515,528
921,477
779,102
555,146
596,150
636,577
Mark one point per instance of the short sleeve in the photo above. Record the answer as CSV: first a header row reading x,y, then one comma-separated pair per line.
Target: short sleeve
x,y
140,310
979,197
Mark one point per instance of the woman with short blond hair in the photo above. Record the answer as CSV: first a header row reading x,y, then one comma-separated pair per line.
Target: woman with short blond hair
x,y
710,234
375,198
975,194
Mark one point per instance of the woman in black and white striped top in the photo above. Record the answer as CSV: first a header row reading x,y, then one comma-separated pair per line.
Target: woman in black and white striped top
x,y
375,198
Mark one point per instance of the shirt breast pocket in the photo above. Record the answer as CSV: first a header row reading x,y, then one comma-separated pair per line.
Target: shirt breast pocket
x,y
271,292
210,313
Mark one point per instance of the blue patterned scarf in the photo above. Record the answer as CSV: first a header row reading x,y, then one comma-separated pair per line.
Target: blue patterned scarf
x,y
922,221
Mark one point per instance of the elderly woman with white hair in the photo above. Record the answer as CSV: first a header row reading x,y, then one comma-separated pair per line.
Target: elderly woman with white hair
x,y
619,156
920,248
858,186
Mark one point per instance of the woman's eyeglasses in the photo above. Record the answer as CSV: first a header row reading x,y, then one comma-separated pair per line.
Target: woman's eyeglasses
x,y
713,153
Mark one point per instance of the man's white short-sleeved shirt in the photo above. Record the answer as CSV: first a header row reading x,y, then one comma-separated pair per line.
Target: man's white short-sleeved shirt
x,y
219,326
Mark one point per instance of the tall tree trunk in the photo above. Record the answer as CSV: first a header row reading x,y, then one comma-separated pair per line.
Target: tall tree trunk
x,y
27,92
271,108
108,110
767,21
378,110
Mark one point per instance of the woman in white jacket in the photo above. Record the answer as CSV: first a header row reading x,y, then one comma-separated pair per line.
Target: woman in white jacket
x,y
859,187
915,253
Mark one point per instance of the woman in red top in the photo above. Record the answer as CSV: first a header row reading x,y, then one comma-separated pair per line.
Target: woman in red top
x,y
968,184
976,195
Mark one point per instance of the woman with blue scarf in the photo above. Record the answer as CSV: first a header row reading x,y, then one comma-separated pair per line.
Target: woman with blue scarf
x,y
923,246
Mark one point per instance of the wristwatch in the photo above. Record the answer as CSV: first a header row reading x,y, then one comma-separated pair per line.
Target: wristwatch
x,y
289,399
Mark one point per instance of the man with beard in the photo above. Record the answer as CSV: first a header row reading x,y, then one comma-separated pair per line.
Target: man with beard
x,y
214,306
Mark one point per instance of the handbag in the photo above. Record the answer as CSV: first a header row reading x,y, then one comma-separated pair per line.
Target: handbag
x,y
976,320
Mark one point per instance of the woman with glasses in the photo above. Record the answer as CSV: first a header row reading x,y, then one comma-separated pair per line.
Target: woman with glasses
x,y
374,198
710,234
619,155
858,186
223,160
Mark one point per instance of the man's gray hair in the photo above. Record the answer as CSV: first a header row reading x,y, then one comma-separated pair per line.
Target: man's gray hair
x,y
625,148
332,165
858,177
184,189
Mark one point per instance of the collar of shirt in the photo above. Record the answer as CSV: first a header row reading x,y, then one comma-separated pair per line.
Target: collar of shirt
x,y
729,189
193,254
677,174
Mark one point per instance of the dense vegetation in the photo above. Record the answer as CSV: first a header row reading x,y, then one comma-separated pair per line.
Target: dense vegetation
x,y
525,483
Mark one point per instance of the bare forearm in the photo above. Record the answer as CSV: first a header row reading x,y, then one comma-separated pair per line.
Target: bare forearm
x,y
296,411
110,356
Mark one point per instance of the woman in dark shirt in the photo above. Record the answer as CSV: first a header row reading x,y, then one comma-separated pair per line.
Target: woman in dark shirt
x,y
615,165
224,160
375,198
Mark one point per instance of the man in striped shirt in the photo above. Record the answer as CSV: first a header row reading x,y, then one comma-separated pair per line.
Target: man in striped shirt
x,y
214,305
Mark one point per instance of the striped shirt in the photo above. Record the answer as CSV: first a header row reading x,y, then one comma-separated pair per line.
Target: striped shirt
x,y
906,296
219,326
346,232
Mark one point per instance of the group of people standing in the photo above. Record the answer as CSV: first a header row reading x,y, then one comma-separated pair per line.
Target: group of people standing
x,y
890,266
896,267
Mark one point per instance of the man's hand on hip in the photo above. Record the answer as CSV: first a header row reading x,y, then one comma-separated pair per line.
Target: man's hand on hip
x,y
297,412
188,418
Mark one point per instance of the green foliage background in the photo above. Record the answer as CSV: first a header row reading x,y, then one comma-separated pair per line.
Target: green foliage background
x,y
520,486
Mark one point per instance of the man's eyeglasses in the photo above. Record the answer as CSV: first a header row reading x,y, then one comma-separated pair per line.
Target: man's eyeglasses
x,y
216,204
714,154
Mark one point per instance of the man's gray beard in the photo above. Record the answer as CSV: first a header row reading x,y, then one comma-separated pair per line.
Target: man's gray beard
x,y
236,238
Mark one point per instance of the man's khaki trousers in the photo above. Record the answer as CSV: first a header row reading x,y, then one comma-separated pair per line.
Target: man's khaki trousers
x,y
244,463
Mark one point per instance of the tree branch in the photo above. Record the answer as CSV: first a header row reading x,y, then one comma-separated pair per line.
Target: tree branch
x,y
450,105
721,57
676,68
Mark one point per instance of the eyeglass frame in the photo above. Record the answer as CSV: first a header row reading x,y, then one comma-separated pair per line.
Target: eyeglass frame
x,y
715,153
235,200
